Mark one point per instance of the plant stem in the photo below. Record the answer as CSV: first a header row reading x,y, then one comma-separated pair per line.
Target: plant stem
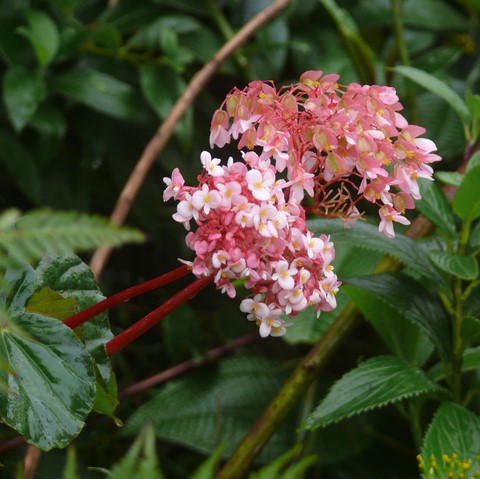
x,y
151,319
289,394
399,32
125,295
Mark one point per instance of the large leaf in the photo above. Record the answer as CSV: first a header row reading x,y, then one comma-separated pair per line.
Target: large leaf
x,y
215,405
47,375
99,91
365,235
454,432
464,267
404,338
22,94
434,205
433,84
410,299
466,203
42,34
374,383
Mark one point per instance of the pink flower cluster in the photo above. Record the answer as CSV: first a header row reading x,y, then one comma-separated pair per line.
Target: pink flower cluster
x,y
250,226
338,144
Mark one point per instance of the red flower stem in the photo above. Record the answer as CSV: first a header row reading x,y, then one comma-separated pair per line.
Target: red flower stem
x,y
151,319
125,295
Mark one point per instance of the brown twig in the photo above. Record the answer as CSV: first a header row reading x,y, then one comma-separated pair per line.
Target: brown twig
x,y
163,134
30,462
181,368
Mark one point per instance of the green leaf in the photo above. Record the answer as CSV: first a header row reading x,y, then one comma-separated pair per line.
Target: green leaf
x,y
185,411
70,468
49,378
141,460
404,338
474,240
433,15
434,205
410,299
106,399
433,84
365,235
161,87
21,165
99,91
208,468
450,177
473,102
454,432
377,382
22,94
466,203
58,233
470,362
43,34
51,304
464,267
473,161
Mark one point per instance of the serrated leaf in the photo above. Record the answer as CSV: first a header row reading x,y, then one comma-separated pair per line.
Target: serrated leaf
x,y
365,235
466,203
433,84
51,304
99,91
452,178
22,94
185,411
454,431
409,298
19,162
464,267
404,338
43,34
434,205
374,383
43,356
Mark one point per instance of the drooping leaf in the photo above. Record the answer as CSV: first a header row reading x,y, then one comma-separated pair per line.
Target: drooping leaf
x,y
365,235
410,299
466,203
376,382
43,34
433,84
48,374
99,91
22,94
464,267
404,338
434,205
51,304
454,432
185,410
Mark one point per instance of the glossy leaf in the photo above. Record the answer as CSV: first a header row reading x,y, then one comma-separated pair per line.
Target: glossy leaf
x,y
48,373
22,94
409,298
42,34
466,203
376,382
404,338
464,267
367,236
434,205
454,431
99,91
185,411
433,84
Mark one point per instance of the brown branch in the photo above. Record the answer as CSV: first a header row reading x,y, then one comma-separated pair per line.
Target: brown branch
x,y
163,134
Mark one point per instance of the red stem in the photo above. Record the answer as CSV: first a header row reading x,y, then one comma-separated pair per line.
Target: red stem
x,y
125,295
144,324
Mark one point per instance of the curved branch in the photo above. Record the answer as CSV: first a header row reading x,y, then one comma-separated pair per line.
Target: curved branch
x,y
163,134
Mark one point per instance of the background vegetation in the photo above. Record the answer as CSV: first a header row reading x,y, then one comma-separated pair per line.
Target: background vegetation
x,y
85,85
